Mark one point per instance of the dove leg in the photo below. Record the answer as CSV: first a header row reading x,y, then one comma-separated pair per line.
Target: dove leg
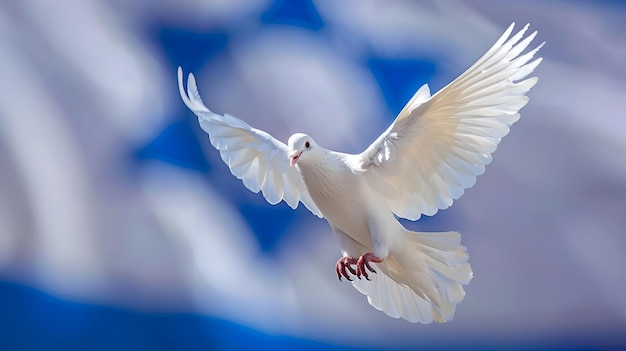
x,y
351,249
343,264
364,262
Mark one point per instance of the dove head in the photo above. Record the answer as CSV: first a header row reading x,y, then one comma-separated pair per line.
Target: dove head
x,y
300,145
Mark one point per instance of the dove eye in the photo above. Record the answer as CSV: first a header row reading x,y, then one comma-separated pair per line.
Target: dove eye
x,y
307,145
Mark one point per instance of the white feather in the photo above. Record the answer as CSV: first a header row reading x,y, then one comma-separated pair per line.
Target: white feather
x,y
252,155
453,133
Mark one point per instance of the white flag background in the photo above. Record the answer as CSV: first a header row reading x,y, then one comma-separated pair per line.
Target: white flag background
x,y
120,227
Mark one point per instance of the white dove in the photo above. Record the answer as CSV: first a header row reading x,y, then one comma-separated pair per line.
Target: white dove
x,y
429,155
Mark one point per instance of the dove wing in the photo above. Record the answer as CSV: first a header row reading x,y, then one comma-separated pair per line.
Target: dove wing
x,y
254,156
437,145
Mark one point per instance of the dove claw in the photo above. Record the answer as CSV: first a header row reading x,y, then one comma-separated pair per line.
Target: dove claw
x,y
343,264
364,262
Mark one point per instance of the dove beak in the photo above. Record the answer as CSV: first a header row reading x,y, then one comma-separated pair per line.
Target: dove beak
x,y
294,157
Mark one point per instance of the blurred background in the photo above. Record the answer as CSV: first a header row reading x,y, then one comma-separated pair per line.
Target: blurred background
x,y
121,228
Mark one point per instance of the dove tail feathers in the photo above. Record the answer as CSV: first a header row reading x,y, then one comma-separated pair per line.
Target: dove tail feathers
x,y
424,281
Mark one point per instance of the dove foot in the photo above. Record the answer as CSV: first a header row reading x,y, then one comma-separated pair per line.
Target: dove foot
x,y
364,262
343,264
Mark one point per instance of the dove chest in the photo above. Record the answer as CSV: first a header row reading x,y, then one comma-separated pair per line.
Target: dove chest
x,y
338,194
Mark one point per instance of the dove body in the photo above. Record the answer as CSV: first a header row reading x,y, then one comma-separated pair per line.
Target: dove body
x,y
357,216
429,155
